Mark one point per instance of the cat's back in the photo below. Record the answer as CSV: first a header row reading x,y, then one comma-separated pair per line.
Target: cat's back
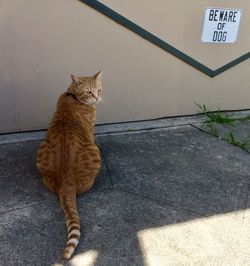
x,y
69,144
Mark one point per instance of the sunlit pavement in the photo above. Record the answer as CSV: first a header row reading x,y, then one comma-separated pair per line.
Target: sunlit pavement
x,y
168,193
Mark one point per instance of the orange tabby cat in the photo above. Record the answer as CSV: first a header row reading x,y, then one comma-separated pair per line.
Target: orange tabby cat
x,y
68,158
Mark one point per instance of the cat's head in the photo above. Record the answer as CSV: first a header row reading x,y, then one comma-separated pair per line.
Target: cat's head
x,y
88,90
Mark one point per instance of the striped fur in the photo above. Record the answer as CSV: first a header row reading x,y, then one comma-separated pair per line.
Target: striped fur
x,y
68,158
68,203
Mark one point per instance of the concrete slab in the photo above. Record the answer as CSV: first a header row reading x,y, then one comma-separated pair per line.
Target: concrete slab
x,y
123,229
181,167
160,123
35,235
146,125
20,182
22,136
178,197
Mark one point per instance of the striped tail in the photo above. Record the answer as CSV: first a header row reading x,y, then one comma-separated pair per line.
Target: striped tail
x,y
68,203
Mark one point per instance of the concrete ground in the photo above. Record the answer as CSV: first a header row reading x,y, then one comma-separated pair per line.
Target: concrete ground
x,y
168,194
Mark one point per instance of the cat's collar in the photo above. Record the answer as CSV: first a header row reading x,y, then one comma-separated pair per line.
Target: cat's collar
x,y
76,98
71,94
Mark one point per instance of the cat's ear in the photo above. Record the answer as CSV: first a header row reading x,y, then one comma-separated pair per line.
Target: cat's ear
x,y
98,75
75,79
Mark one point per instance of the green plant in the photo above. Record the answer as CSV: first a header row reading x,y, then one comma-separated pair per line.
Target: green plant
x,y
244,119
230,138
214,118
212,128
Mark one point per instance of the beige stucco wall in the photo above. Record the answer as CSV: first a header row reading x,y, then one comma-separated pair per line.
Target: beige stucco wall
x,y
43,42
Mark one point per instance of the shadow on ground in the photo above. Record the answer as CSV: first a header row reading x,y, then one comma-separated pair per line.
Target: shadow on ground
x,y
173,196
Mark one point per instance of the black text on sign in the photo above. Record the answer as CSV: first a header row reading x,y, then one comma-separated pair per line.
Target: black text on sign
x,y
221,25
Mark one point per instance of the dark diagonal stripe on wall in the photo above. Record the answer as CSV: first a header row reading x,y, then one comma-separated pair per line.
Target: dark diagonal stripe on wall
x,y
118,18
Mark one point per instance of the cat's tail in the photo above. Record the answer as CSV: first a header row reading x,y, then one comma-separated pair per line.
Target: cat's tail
x,y
68,202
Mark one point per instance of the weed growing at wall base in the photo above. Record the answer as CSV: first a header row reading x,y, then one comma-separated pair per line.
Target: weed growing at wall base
x,y
213,119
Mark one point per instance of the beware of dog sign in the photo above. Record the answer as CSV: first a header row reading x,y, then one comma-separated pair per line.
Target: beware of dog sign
x,y
221,25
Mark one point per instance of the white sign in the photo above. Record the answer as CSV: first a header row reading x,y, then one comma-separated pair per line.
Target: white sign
x,y
221,25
